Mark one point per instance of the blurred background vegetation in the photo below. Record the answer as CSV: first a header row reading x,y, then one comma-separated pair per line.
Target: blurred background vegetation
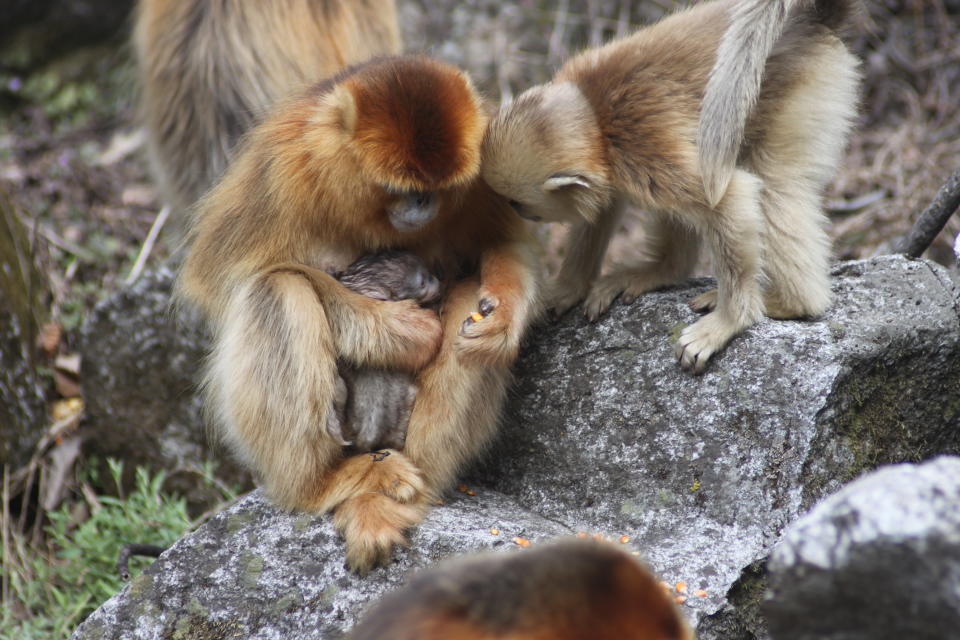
x,y
73,178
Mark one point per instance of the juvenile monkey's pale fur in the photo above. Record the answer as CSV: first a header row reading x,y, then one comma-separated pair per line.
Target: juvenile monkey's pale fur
x,y
620,124
309,192
210,69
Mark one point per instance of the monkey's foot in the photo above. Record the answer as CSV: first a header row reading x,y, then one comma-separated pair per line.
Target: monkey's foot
x,y
629,283
372,524
704,302
702,339
392,475
561,297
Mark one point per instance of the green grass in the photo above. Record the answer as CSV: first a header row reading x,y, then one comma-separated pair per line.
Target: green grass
x,y
48,591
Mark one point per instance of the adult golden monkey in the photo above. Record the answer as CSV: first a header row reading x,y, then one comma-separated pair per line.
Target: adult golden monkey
x,y
382,156
618,125
209,69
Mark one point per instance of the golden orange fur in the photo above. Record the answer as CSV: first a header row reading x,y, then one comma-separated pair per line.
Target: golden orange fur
x,y
567,590
307,196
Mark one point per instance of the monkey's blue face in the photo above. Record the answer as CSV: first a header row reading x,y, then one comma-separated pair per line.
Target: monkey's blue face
x,y
412,210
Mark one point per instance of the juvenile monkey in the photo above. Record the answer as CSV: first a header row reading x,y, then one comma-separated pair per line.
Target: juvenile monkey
x,y
209,70
382,155
619,125
567,590
372,406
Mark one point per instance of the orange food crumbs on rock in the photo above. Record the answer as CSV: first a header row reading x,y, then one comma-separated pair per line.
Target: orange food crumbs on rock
x,y
680,599
681,587
666,587
598,536
521,542
476,316
700,593
462,488
624,539
471,492
495,531
581,534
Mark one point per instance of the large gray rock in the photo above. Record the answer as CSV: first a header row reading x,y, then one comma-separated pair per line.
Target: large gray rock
x,y
606,434
704,472
140,373
257,572
879,560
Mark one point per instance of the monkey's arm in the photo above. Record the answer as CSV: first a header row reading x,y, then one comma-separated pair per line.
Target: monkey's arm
x,y
508,300
370,332
587,247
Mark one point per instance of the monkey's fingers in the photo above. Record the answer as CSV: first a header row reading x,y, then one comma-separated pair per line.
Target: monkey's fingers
x,y
486,306
372,525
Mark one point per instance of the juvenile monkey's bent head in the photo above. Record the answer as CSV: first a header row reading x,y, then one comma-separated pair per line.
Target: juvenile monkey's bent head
x,y
544,153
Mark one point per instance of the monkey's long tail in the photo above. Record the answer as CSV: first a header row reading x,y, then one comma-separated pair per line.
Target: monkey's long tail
x,y
735,80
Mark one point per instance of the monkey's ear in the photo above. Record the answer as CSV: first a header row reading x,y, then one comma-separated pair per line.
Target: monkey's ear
x,y
344,108
563,180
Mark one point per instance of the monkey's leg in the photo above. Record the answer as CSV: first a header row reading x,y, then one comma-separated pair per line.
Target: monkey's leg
x,y
271,383
799,154
672,250
733,231
797,252
586,248
454,416
458,402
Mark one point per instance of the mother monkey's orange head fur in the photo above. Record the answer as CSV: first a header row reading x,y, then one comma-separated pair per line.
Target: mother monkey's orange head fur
x,y
416,123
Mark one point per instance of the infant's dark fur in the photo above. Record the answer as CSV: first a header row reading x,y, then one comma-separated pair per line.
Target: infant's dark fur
x,y
372,407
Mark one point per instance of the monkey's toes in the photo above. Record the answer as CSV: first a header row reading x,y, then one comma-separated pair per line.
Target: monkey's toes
x,y
704,302
699,341
372,525
394,475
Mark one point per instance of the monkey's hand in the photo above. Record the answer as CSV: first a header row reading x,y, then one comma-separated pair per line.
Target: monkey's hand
x,y
416,333
488,336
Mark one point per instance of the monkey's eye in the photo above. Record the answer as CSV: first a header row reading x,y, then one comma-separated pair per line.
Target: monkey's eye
x,y
517,206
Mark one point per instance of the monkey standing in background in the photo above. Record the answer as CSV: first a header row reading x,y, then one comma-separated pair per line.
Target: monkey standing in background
x,y
618,125
567,590
372,406
209,69
383,155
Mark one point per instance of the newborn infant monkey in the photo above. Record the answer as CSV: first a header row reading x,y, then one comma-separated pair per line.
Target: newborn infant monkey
x,y
371,408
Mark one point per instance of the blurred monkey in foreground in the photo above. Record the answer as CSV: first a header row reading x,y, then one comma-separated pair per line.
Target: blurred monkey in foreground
x,y
618,125
383,155
372,406
209,69
567,590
